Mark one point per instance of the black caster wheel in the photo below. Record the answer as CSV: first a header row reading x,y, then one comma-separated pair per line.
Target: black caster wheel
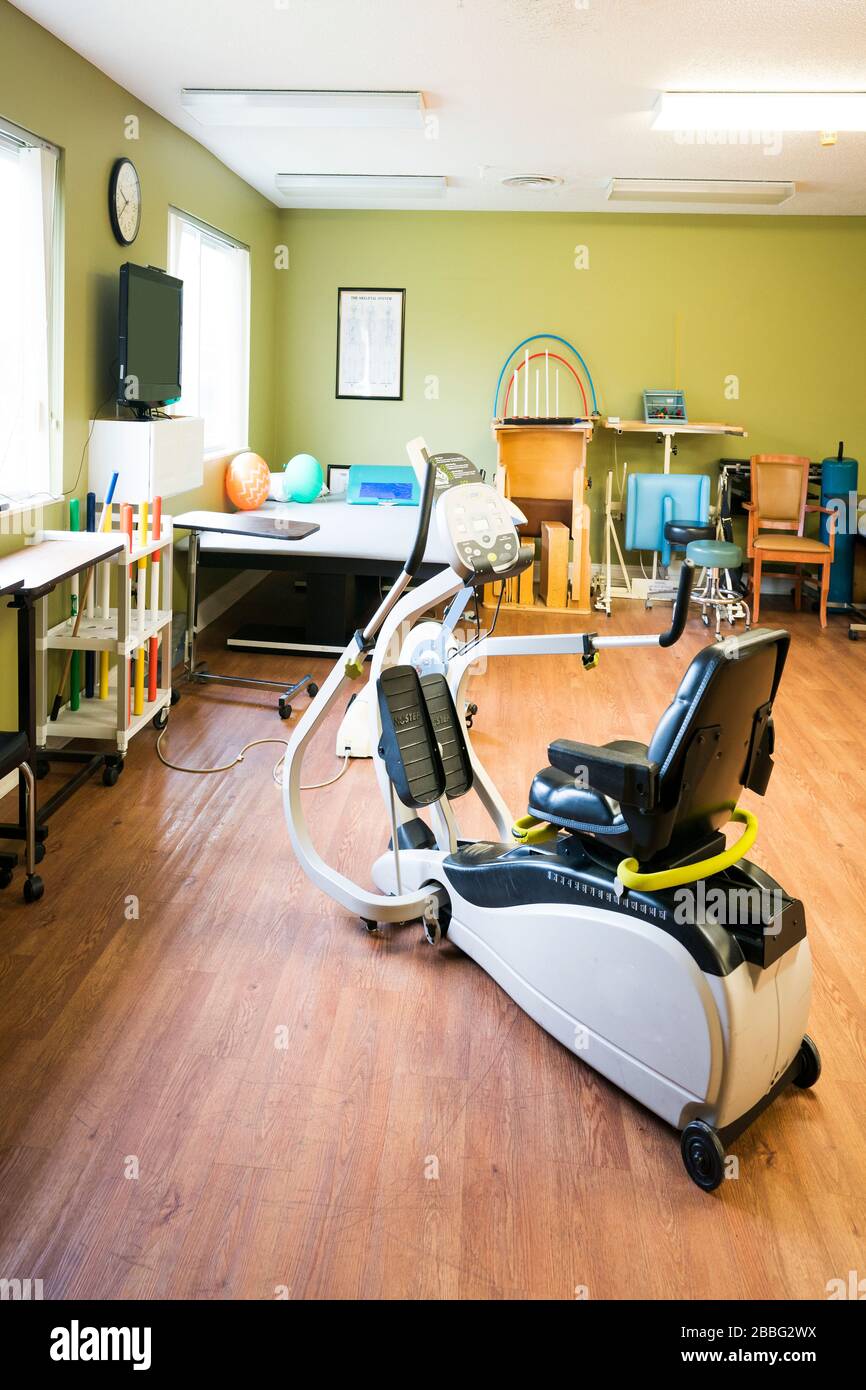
x,y
703,1155
42,768
40,852
175,695
34,888
285,710
432,932
5,878
810,1064
160,719
371,927
312,690
110,774
853,636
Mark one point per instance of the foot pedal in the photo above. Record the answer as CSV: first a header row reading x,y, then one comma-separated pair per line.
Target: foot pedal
x,y
448,732
408,745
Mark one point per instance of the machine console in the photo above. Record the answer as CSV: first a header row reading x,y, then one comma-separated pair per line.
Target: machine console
x,y
476,523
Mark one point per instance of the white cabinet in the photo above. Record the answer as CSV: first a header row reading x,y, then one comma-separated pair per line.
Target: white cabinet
x,y
155,458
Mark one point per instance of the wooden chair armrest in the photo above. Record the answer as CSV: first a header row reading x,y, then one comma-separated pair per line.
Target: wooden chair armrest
x,y
748,506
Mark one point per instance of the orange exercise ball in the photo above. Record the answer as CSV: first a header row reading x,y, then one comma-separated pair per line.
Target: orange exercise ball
x,y
248,481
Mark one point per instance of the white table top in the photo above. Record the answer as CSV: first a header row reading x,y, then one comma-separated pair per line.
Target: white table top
x,y
48,562
346,531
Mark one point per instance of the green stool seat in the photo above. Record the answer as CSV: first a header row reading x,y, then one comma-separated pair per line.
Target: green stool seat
x,y
715,555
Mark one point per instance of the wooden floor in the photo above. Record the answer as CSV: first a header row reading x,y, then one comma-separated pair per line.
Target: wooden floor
x,y
213,1084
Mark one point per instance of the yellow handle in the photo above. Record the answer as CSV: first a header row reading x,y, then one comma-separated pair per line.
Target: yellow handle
x,y
528,830
630,876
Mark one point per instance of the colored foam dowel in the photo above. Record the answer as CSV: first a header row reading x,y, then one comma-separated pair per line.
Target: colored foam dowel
x,y
75,664
105,601
126,528
153,653
90,657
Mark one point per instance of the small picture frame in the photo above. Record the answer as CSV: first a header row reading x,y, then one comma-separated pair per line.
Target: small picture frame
x,y
338,479
370,338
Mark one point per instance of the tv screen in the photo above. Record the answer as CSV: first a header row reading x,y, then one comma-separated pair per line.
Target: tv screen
x,y
150,325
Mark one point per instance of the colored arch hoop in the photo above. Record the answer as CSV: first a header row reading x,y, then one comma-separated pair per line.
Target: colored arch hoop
x,y
555,338
554,357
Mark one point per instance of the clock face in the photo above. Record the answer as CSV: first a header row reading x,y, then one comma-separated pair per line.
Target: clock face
x,y
125,201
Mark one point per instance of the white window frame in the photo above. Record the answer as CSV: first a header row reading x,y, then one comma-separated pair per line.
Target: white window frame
x,y
16,135
220,238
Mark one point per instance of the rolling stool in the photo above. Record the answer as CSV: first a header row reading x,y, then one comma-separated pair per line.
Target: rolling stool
x,y
14,752
680,534
714,556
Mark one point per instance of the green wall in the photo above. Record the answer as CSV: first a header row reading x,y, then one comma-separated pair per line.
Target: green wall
x,y
49,89
778,302
674,300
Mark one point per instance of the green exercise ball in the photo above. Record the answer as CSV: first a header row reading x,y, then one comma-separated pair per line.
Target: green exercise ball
x,y
304,478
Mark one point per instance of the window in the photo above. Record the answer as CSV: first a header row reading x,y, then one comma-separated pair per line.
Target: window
x,y
215,362
30,317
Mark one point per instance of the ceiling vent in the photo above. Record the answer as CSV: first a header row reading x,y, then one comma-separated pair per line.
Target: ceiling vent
x,y
533,183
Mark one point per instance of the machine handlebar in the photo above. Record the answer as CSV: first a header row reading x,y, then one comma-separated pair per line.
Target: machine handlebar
x,y
425,512
681,605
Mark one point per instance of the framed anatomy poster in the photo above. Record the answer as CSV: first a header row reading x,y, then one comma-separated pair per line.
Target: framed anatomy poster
x,y
370,329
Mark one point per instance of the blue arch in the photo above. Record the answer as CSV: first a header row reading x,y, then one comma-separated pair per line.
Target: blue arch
x,y
555,338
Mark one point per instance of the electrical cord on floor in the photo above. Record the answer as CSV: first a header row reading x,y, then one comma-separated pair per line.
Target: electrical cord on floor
x,y
277,772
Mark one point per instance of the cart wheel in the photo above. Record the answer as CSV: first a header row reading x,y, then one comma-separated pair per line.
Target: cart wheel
x,y
34,888
312,690
285,708
39,854
5,878
853,636
810,1064
703,1155
42,768
110,774
160,719
370,926
175,695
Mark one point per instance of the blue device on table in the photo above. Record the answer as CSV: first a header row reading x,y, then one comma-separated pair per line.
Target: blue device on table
x,y
394,485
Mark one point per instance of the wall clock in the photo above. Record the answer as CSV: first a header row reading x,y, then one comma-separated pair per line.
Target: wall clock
x,y
124,201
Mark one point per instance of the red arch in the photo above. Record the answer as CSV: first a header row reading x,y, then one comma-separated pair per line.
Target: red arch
x,y
555,357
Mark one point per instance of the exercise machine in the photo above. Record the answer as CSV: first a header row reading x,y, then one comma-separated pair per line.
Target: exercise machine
x,y
612,912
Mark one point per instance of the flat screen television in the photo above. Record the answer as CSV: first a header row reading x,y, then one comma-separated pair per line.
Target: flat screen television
x,y
149,330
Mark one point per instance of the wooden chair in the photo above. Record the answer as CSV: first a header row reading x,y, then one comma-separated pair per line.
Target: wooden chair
x,y
777,517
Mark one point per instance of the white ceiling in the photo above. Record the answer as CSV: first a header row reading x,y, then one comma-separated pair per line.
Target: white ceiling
x,y
563,87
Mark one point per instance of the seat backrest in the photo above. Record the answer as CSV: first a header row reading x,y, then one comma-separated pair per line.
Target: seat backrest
x,y
654,498
716,736
780,484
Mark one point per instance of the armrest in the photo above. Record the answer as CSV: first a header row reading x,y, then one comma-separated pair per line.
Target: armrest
x,y
630,780
832,525
832,512
752,528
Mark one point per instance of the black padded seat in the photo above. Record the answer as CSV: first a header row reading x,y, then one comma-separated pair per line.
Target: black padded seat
x,y
715,737
684,532
14,751
554,797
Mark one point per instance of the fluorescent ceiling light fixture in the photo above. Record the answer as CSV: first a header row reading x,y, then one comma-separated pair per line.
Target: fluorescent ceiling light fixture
x,y
751,192
362,185
273,107
760,111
